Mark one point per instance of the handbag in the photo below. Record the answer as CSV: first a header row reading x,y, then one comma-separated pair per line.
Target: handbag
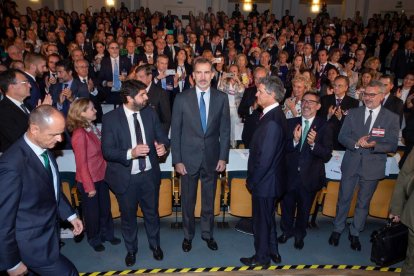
x,y
389,244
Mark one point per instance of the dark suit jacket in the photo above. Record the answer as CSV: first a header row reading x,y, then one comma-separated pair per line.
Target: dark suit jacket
x,y
248,99
135,58
311,163
30,213
265,168
35,93
81,90
346,104
106,74
116,141
401,65
158,99
13,123
189,144
55,90
369,163
396,105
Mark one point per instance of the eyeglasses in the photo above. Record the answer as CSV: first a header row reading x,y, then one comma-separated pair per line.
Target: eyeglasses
x,y
22,82
309,102
114,48
370,95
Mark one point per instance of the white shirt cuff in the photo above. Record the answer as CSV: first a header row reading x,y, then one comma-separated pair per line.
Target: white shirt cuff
x,y
14,267
72,217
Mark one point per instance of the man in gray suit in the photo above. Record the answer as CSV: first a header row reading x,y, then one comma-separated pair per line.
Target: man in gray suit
x,y
200,141
368,134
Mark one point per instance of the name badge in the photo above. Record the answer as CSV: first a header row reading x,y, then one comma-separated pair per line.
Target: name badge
x,y
378,132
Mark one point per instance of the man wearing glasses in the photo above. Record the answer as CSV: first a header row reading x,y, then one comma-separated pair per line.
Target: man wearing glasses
x,y
308,148
368,133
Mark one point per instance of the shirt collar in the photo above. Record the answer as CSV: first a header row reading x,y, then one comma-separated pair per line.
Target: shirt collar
x,y
270,107
129,112
37,150
27,73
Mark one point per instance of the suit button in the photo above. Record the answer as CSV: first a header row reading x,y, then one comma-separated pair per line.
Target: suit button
x,y
298,169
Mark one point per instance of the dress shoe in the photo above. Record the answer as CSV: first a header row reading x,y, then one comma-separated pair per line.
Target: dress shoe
x,y
334,238
355,244
211,243
130,259
252,262
283,238
299,243
157,253
115,241
276,258
186,245
99,248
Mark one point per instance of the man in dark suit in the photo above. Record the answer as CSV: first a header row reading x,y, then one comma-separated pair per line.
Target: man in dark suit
x,y
169,83
368,133
29,232
335,107
265,169
148,56
114,69
62,91
157,97
85,86
195,45
321,68
200,142
133,172
131,54
84,46
214,45
308,147
392,102
403,61
34,67
14,113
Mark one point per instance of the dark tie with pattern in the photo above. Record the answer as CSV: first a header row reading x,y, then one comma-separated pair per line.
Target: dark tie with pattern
x,y
138,134
203,114
48,168
367,125
23,107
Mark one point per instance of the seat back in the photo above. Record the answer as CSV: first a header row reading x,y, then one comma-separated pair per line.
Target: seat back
x,y
380,202
165,199
331,199
197,210
240,198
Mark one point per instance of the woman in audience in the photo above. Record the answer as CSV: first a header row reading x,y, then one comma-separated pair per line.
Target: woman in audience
x,y
308,74
100,53
293,105
245,73
297,66
334,57
373,63
231,84
365,77
349,64
183,69
282,65
90,173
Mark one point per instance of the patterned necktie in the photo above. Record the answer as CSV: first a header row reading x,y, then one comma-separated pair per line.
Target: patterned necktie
x,y
338,102
138,134
48,168
203,114
23,107
367,125
305,133
116,81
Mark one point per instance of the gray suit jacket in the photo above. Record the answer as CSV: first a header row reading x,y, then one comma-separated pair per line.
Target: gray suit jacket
x,y
369,163
189,144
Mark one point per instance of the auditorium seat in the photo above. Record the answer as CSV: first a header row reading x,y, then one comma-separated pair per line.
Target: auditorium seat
x,y
380,202
240,198
197,210
165,199
330,199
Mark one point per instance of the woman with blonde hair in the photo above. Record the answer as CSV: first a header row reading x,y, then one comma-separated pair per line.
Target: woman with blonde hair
x,y
90,173
244,72
374,64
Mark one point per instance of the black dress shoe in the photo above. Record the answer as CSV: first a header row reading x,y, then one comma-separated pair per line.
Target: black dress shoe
x,y
186,245
355,244
157,253
299,243
334,238
130,259
211,243
115,241
283,238
276,258
99,248
252,262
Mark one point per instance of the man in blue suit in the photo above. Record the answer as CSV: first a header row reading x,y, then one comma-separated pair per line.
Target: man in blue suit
x,y
32,202
132,141
308,147
265,179
34,67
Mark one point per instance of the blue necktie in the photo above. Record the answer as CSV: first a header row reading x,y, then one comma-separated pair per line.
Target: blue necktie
x,y
203,114
305,133
116,81
164,83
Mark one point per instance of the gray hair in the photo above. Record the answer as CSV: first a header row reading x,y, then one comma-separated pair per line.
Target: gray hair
x,y
273,84
380,85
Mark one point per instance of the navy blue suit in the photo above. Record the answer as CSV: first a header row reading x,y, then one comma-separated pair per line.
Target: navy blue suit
x,y
35,93
265,180
30,213
305,175
142,188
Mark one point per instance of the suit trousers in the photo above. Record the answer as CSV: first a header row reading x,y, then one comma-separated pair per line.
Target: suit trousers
x,y
143,189
97,214
408,266
62,267
189,183
346,192
264,227
298,200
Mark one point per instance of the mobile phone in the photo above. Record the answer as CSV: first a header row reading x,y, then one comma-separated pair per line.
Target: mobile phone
x,y
216,60
170,72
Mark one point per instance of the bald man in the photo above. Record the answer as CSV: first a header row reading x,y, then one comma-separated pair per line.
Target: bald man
x,y
32,201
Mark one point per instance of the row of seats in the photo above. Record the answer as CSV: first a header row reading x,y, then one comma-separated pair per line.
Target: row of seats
x,y
240,204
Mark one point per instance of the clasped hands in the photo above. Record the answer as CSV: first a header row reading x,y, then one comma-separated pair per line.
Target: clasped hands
x,y
297,133
363,142
337,111
142,150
